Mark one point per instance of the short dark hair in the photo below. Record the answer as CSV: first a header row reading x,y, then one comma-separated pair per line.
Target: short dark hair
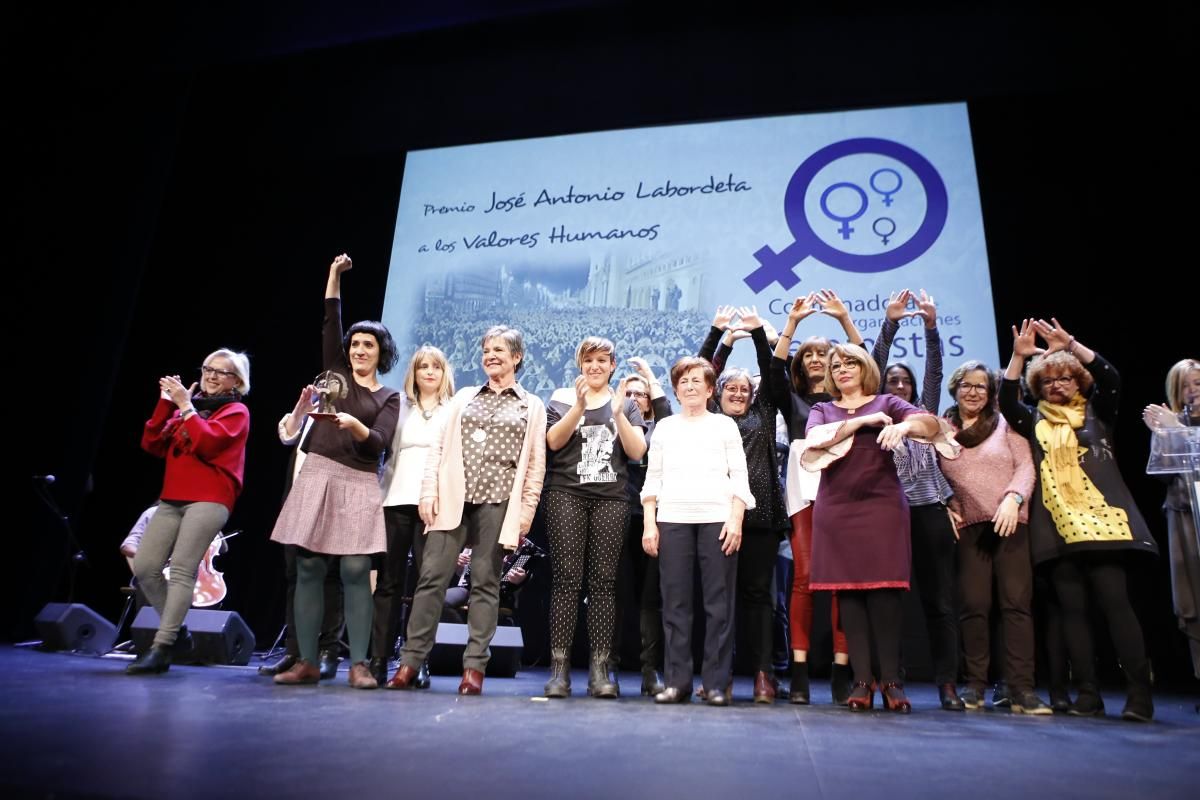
x,y
388,355
683,365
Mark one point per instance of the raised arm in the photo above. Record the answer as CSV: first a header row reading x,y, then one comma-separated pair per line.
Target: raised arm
x,y
332,354
630,427
1018,415
561,426
896,310
1106,393
832,305
772,390
658,398
721,319
931,389
333,286
292,425
801,308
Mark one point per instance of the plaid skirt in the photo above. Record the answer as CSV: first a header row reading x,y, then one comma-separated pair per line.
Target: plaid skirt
x,y
332,509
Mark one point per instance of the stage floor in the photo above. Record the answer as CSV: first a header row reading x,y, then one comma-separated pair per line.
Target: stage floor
x,y
76,726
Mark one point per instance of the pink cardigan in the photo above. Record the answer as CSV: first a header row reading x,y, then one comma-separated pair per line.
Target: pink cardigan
x,y
445,476
983,474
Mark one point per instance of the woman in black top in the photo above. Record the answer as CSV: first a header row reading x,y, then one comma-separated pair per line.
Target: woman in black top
x,y
591,432
765,524
1082,519
646,391
335,507
806,389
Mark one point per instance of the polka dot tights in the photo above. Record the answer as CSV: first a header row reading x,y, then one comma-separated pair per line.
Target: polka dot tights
x,y
585,538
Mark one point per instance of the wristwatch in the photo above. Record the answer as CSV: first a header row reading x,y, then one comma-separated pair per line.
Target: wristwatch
x,y
1019,498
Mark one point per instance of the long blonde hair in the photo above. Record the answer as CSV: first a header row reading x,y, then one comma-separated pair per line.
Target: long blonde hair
x,y
445,389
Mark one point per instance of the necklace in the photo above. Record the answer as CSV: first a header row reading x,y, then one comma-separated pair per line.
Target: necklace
x,y
427,414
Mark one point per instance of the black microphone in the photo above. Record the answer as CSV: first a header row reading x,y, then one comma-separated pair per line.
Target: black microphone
x,y
47,479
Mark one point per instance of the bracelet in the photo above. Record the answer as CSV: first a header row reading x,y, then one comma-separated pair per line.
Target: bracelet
x,y
183,415
1071,346
785,333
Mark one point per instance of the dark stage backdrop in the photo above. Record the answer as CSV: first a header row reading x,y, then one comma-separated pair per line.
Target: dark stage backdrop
x,y
189,184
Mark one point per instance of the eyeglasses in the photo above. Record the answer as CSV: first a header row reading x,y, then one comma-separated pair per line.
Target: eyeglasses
x,y
637,394
972,388
220,373
1061,380
845,366
732,389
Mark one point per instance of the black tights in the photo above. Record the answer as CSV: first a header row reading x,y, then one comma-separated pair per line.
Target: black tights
x,y
1100,578
872,620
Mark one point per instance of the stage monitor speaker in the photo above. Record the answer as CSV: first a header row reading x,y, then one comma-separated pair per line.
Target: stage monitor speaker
x,y
451,641
220,637
72,626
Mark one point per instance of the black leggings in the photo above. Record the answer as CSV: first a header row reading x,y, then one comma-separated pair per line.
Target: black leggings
x,y
933,561
873,620
405,532
1098,577
585,538
755,603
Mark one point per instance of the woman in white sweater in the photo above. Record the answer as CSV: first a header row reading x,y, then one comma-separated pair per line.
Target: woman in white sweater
x,y
695,494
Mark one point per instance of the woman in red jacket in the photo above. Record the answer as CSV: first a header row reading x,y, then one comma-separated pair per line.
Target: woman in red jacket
x,y
202,435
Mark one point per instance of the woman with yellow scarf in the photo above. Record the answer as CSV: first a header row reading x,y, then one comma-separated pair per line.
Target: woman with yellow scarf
x,y
1083,519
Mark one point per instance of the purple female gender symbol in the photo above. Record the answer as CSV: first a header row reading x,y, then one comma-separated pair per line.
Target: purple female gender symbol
x,y
881,234
779,266
845,230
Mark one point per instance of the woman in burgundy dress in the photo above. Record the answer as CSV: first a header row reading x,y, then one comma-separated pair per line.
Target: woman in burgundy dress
x,y
861,546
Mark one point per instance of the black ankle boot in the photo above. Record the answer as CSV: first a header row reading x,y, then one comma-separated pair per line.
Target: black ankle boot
x,y
327,662
839,683
282,665
614,673
1139,706
652,682
422,679
155,660
798,693
379,670
1089,703
559,684
599,684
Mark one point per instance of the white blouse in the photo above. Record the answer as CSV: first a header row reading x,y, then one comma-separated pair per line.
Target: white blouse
x,y
402,477
696,467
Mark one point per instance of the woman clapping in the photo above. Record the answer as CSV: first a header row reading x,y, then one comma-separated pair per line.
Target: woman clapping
x,y
592,433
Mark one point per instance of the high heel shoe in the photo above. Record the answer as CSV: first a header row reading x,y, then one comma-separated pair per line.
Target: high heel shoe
x,y
862,696
894,698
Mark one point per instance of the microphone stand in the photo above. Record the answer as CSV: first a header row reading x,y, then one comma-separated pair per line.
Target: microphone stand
x,y
75,552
